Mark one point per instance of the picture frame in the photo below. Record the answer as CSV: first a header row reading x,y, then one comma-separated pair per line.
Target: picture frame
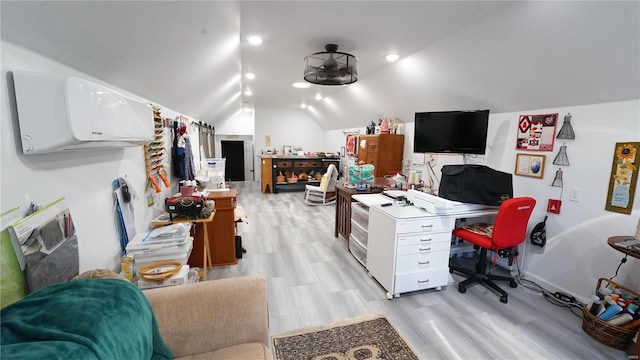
x,y
350,144
536,132
624,177
286,150
531,165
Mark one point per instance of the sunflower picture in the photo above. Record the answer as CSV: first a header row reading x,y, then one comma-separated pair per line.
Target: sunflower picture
x,y
624,176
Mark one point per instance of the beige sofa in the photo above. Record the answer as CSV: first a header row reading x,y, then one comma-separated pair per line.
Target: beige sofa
x,y
217,319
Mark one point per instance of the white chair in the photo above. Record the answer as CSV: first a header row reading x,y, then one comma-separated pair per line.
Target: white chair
x,y
324,194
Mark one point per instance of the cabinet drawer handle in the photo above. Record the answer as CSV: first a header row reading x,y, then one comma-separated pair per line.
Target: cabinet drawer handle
x,y
423,281
427,226
425,249
423,262
425,240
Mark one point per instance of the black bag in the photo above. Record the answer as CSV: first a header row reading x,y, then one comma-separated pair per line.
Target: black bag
x,y
475,184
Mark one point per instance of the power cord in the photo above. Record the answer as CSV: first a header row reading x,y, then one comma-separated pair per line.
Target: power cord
x,y
556,298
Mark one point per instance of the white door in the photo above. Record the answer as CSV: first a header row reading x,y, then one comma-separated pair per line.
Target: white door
x,y
248,161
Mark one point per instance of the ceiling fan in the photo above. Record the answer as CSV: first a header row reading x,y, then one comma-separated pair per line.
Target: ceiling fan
x,y
331,67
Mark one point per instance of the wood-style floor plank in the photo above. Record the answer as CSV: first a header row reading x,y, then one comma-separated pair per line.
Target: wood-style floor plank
x,y
312,279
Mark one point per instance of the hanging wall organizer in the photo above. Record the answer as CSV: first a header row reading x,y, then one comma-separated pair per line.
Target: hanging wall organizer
x,y
154,155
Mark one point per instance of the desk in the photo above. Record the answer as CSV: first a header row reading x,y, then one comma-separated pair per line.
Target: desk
x,y
206,260
408,247
613,240
220,232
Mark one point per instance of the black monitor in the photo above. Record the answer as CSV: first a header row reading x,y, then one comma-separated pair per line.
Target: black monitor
x,y
461,132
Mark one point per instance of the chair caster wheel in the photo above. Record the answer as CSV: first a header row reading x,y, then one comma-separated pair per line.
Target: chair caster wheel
x,y
513,284
504,299
462,289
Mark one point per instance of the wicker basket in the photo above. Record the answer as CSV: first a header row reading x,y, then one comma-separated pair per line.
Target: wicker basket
x,y
610,335
292,180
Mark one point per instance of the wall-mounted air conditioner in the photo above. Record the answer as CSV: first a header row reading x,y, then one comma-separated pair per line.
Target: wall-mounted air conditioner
x,y
68,113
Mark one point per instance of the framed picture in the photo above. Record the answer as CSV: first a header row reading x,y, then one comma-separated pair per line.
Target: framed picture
x,y
536,132
350,144
286,150
342,151
531,165
624,177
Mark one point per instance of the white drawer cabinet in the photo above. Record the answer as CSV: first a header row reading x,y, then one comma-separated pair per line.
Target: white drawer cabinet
x,y
421,262
408,249
422,280
422,225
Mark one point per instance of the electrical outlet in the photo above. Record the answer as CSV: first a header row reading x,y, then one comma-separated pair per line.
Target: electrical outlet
x,y
574,194
433,159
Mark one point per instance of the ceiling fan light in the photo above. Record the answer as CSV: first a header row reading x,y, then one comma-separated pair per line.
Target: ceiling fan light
x,y
331,67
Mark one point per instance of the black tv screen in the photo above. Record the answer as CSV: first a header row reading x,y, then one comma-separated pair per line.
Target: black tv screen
x,y
458,132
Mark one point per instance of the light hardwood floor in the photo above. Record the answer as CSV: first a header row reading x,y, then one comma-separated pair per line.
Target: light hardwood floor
x,y
312,279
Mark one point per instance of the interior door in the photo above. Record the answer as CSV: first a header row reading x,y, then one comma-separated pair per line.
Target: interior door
x,y
249,174
233,152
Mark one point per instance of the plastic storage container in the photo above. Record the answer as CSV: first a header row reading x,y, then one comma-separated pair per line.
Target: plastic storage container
x,y
360,214
215,172
357,250
360,234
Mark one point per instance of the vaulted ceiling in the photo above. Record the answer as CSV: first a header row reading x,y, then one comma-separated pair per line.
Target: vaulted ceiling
x,y
191,56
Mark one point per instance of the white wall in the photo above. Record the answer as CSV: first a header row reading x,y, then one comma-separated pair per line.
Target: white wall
x,y
242,123
84,178
286,128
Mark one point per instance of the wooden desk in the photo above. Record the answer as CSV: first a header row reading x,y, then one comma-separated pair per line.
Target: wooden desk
x,y
221,231
343,206
613,240
206,254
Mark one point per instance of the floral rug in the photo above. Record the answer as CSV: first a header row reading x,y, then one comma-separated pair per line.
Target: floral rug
x,y
372,337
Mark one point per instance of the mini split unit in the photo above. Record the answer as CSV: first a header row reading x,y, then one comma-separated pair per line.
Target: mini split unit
x,y
68,113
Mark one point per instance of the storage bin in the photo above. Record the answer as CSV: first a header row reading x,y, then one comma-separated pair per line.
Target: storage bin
x,y
360,234
359,252
360,214
607,334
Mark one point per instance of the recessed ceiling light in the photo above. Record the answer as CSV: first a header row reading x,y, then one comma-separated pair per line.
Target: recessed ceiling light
x,y
392,57
250,76
303,105
248,92
318,97
301,85
254,40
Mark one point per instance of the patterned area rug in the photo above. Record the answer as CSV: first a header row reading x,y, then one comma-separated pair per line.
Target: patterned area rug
x,y
356,339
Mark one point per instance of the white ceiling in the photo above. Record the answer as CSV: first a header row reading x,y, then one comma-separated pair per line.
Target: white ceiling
x,y
189,56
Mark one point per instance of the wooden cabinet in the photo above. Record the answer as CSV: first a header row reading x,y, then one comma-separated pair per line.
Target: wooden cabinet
x,y
297,165
221,231
266,177
383,151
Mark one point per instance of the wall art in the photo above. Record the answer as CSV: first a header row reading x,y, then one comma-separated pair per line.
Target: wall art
x,y
531,165
624,177
536,132
350,145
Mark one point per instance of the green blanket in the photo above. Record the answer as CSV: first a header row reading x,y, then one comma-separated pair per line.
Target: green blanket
x,y
82,319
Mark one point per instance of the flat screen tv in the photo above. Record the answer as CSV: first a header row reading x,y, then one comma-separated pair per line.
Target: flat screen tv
x,y
457,132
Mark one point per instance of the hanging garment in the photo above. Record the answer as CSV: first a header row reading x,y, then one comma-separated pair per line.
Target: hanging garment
x,y
177,154
189,173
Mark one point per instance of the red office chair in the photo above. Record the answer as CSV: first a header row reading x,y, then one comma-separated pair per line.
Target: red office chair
x,y
507,232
